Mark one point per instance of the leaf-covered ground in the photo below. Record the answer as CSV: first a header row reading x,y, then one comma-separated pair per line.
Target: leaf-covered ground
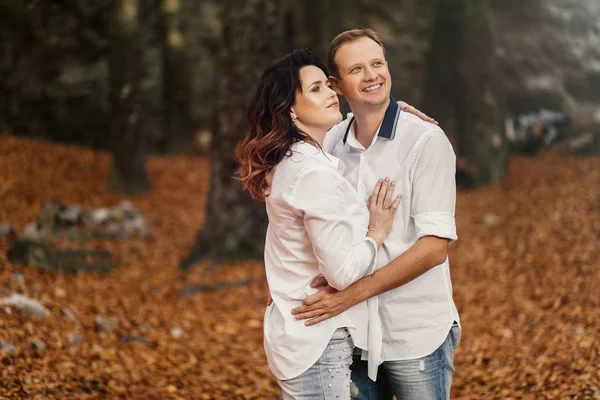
x,y
526,275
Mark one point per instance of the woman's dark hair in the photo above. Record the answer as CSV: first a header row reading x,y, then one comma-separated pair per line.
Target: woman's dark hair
x,y
271,131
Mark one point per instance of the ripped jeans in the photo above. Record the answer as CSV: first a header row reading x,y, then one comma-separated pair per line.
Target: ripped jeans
x,y
329,377
427,378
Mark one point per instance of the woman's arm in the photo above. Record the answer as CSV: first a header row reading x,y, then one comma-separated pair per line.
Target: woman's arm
x,y
321,195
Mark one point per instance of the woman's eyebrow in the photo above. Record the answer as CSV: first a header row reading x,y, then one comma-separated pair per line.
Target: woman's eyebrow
x,y
314,83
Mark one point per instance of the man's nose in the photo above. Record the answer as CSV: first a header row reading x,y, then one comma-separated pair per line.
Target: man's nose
x,y
370,74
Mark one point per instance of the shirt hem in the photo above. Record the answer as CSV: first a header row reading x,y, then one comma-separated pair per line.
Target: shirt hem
x,y
303,369
438,342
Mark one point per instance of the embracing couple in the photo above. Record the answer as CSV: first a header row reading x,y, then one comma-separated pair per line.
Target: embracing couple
x,y
361,213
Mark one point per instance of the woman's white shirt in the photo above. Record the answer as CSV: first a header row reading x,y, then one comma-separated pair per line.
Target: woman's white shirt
x,y
317,226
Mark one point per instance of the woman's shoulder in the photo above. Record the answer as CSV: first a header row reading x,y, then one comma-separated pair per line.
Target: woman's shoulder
x,y
294,167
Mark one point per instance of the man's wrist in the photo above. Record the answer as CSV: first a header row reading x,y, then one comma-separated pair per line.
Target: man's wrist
x,y
351,296
363,290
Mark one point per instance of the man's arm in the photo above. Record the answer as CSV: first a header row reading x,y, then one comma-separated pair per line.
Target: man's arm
x,y
427,253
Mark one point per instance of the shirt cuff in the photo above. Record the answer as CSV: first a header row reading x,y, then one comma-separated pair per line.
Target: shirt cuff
x,y
374,255
440,224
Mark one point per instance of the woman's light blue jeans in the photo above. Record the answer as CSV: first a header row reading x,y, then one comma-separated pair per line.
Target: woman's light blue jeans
x,y
329,377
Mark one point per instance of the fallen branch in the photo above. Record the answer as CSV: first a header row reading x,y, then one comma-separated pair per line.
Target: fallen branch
x,y
43,257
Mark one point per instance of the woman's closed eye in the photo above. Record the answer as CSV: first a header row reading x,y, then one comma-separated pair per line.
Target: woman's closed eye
x,y
318,87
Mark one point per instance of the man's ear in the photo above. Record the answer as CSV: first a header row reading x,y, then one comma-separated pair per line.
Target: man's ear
x,y
335,84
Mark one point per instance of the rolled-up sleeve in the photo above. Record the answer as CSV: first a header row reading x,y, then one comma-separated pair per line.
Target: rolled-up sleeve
x,y
342,258
434,188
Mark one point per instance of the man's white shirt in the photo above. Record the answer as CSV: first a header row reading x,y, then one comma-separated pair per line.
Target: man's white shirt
x,y
416,317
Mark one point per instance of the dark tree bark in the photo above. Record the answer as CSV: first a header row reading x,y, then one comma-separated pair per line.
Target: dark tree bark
x,y
128,174
177,125
235,224
465,87
313,14
13,14
441,87
481,108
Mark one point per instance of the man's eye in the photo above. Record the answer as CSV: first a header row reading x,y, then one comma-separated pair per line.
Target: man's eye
x,y
355,69
378,63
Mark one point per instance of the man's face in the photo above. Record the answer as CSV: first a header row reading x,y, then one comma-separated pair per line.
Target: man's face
x,y
364,75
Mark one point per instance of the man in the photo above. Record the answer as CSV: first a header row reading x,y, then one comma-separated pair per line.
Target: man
x,y
411,290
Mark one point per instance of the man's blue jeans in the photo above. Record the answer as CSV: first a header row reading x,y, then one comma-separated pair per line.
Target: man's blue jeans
x,y
427,378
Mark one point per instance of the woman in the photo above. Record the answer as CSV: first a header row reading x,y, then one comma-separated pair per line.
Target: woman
x,y
317,225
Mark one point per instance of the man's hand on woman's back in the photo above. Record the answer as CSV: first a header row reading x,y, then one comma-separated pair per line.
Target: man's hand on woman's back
x,y
325,304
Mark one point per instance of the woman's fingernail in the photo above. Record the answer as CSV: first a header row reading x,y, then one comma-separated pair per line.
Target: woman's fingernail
x,y
393,183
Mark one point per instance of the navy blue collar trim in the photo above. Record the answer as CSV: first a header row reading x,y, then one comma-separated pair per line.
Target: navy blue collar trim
x,y
388,126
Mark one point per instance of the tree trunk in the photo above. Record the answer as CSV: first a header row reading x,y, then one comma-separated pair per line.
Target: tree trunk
x,y
313,14
13,14
235,224
128,175
441,87
480,103
464,86
177,125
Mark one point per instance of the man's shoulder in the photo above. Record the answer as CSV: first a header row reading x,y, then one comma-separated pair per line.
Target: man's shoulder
x,y
417,136
415,125
412,132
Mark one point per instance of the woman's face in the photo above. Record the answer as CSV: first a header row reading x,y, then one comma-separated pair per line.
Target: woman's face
x,y
317,105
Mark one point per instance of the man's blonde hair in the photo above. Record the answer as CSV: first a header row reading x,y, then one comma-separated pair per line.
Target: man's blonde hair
x,y
345,37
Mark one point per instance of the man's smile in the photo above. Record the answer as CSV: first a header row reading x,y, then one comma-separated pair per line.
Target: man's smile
x,y
372,87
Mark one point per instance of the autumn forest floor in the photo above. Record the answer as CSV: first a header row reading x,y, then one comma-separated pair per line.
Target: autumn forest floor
x,y
526,275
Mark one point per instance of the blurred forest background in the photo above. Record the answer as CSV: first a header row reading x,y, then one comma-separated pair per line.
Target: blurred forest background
x,y
118,121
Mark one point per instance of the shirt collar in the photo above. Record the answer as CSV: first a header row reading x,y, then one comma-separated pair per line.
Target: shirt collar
x,y
309,150
387,129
